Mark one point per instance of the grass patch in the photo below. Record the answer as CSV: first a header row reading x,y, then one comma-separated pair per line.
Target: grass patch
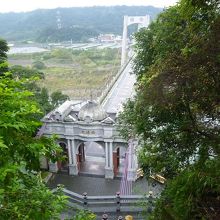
x,y
79,74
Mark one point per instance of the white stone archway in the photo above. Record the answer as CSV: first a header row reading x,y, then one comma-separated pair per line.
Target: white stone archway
x,y
73,129
142,21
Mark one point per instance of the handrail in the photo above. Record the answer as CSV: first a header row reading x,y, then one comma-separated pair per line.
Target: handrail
x,y
107,197
111,203
72,193
106,91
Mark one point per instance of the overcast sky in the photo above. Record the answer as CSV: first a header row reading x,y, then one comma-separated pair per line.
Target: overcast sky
x,y
29,5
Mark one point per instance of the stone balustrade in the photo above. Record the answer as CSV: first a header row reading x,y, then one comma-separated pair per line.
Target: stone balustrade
x,y
108,204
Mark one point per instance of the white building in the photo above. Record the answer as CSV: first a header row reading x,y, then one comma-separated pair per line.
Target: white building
x,y
79,123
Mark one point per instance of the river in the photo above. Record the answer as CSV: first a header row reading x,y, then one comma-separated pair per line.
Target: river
x,y
15,50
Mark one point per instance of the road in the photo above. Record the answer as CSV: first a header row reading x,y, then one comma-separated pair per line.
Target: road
x,y
121,91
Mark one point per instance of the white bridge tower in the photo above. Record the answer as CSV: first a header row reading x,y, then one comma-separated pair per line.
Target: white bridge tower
x,y
142,21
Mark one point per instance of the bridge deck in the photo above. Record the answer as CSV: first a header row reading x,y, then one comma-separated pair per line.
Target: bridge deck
x,y
121,91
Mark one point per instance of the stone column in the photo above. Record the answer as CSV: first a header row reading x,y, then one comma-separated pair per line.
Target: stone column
x,y
53,167
130,155
132,170
69,151
106,155
109,174
124,41
135,159
111,155
73,169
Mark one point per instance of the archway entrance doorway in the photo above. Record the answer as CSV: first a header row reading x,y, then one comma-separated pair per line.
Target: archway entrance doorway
x,y
119,160
63,165
91,159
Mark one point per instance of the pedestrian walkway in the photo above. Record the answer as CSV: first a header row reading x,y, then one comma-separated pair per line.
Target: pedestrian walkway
x,y
96,186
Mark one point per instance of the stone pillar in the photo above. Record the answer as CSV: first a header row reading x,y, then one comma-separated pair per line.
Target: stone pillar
x,y
106,155
73,169
130,155
111,155
53,167
109,174
124,41
132,169
69,151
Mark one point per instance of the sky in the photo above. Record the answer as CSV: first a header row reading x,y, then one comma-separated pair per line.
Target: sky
x,y
29,5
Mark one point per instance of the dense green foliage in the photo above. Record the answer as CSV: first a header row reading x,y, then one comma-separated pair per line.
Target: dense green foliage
x,y
194,194
78,24
175,113
83,214
30,77
20,72
22,194
38,65
3,56
58,98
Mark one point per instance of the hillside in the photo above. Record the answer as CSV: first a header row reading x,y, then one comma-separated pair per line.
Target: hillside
x,y
78,24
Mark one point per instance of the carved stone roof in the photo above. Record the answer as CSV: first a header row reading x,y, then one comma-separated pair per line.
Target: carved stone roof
x,y
92,111
108,120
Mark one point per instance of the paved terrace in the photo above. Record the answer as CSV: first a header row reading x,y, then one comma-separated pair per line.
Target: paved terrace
x,y
96,186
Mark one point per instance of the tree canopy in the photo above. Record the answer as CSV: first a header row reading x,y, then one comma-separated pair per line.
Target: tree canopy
x,y
29,78
58,98
22,193
175,113
3,56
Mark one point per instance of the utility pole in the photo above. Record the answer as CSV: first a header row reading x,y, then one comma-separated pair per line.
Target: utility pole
x,y
58,17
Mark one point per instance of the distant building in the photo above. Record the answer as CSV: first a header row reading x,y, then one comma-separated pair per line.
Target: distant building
x,y
118,39
109,38
106,38
92,39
